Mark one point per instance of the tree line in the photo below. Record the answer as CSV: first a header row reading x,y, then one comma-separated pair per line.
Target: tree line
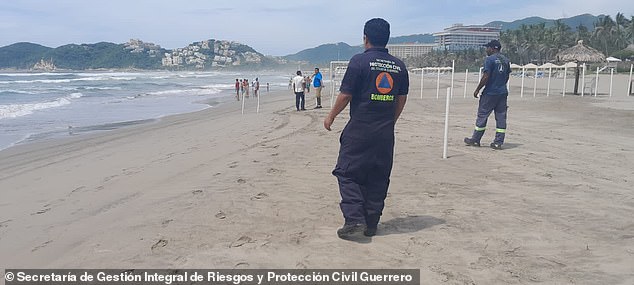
x,y
540,44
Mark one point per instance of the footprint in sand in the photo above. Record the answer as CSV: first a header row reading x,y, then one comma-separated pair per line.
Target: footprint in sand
x,y
241,265
166,222
4,224
260,196
41,245
298,237
41,211
159,244
242,241
273,171
196,192
233,164
241,181
221,215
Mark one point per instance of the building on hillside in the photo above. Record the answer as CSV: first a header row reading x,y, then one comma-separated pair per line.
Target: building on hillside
x,y
460,37
403,51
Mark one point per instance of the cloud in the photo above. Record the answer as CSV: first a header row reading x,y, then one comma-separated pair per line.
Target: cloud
x,y
275,27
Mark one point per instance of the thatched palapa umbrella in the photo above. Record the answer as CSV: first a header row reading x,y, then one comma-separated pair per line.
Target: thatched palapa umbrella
x,y
580,54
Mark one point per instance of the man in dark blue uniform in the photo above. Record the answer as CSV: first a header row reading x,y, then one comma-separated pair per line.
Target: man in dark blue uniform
x,y
495,75
376,86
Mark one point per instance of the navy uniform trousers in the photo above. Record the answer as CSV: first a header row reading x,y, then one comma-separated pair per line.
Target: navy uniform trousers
x,y
363,171
488,104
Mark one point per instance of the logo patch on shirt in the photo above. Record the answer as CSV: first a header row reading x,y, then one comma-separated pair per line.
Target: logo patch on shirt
x,y
384,83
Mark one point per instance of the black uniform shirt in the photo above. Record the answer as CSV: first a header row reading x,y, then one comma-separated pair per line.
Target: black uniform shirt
x,y
374,79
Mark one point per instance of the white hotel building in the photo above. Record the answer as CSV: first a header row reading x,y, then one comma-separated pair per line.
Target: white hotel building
x,y
403,51
459,37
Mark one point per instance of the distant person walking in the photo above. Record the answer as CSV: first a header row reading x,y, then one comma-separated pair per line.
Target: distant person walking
x,y
317,83
267,87
242,87
495,75
246,87
375,85
256,87
298,87
237,89
307,79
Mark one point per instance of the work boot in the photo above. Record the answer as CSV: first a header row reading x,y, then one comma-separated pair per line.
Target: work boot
x,y
496,146
351,231
471,142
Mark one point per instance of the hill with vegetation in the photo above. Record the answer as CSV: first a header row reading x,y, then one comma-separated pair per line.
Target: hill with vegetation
x,y
585,20
135,54
22,55
325,53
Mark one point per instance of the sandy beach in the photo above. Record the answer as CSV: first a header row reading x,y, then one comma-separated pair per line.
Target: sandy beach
x,y
218,189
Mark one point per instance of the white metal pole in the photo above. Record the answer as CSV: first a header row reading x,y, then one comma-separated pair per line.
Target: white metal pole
x,y
480,74
332,92
332,82
453,71
445,142
466,77
550,71
438,85
257,92
629,83
611,75
522,88
535,84
243,102
583,78
422,73
596,83
565,74
508,82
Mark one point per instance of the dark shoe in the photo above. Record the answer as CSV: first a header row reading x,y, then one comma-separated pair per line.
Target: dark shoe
x,y
351,231
471,142
496,146
369,232
318,107
303,109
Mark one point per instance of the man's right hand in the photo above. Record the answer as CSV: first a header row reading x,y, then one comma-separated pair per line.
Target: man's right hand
x,y
475,94
328,122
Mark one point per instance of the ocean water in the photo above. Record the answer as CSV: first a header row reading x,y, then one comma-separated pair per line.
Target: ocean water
x,y
37,106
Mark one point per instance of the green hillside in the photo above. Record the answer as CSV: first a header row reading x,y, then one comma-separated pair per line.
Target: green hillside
x,y
22,55
326,53
100,55
586,20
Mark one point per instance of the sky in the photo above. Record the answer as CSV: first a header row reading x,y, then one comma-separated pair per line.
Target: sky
x,y
271,27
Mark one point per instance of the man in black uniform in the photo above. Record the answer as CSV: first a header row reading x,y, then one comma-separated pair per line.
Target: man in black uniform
x,y
375,85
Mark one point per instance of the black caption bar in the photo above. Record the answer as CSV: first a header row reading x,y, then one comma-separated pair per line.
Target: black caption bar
x,y
211,276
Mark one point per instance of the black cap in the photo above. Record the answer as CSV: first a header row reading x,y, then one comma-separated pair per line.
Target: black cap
x,y
495,44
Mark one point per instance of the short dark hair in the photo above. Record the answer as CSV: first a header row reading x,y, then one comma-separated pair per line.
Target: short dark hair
x,y
317,68
377,31
299,72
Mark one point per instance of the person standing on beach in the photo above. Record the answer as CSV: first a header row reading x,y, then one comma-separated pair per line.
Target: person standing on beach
x,y
237,89
242,87
246,87
307,80
298,87
317,78
376,86
495,75
256,87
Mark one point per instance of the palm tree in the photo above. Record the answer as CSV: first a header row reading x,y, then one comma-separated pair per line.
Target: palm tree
x,y
604,31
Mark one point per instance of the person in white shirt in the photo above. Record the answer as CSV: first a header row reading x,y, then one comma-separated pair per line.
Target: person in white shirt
x,y
299,84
